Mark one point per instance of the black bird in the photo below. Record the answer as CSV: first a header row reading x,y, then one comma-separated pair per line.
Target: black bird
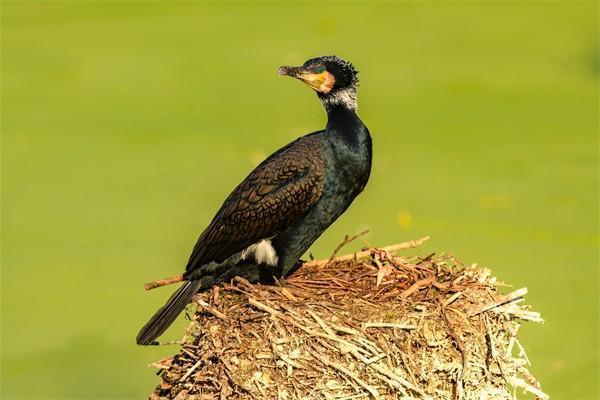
x,y
287,202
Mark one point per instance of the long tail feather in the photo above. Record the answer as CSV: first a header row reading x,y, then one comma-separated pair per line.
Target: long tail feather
x,y
165,316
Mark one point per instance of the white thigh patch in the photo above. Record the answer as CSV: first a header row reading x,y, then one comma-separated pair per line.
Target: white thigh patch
x,y
263,253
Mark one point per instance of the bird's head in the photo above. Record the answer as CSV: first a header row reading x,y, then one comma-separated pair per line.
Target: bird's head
x,y
334,79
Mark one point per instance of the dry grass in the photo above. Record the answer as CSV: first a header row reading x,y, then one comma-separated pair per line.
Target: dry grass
x,y
374,326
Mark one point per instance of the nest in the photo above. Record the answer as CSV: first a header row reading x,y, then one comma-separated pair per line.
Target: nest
x,y
367,325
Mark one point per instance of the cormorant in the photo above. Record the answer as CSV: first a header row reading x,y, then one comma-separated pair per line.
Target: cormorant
x,y
287,202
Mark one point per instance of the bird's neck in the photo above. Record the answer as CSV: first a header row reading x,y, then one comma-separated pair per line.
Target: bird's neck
x,y
345,98
345,129
342,119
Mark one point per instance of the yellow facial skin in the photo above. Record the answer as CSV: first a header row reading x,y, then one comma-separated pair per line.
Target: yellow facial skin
x,y
321,82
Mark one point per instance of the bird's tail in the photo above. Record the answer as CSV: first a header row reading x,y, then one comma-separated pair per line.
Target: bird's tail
x,y
165,316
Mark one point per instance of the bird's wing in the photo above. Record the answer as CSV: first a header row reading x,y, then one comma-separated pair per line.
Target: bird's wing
x,y
278,192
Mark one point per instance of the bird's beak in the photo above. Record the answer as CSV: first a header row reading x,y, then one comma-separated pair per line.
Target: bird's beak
x,y
322,82
290,71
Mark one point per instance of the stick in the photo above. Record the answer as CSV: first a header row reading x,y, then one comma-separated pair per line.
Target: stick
x,y
362,254
372,391
315,263
423,283
384,370
451,299
368,325
187,374
517,294
346,240
163,282
459,382
211,309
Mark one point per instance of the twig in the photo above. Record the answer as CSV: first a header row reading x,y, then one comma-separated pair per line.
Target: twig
x,y
187,374
163,363
519,382
345,329
451,299
347,239
211,309
321,323
368,325
163,282
362,254
405,245
291,362
298,325
265,307
230,375
384,370
517,294
313,263
287,294
463,354
352,375
421,284
492,352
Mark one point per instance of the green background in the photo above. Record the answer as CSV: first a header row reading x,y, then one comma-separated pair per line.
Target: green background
x,y
125,124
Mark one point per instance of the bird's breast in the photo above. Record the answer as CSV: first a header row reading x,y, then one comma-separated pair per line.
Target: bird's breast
x,y
351,165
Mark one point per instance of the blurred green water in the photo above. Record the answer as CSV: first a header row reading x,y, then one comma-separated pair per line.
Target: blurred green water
x,y
125,124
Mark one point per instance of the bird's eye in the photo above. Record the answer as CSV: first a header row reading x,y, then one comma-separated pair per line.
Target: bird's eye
x,y
320,69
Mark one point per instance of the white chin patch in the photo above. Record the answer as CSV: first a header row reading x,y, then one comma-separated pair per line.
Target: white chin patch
x,y
263,253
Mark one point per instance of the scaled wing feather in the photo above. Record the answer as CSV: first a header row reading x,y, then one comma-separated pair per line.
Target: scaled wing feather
x,y
278,192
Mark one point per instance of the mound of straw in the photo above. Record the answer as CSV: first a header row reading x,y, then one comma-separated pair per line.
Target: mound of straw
x,y
367,325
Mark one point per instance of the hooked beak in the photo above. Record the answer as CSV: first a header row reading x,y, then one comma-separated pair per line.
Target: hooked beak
x,y
290,71
322,82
